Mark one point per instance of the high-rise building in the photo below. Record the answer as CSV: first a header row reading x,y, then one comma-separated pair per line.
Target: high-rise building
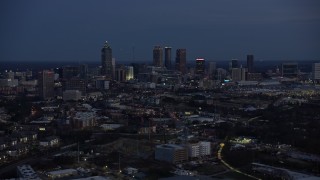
x,y
212,68
200,66
316,72
250,63
106,61
238,74
181,60
121,74
69,72
76,84
46,84
158,56
290,70
83,71
167,57
129,73
113,68
234,63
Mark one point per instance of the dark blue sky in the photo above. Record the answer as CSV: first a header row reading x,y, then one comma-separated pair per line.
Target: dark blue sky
x,y
75,30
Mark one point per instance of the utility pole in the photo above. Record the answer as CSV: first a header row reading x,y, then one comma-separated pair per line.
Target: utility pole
x,y
78,153
133,58
149,130
119,163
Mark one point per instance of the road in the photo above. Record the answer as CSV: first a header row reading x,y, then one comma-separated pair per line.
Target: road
x,y
252,119
30,160
13,166
230,167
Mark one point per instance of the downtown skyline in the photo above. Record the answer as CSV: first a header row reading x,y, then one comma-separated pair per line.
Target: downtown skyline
x,y
75,30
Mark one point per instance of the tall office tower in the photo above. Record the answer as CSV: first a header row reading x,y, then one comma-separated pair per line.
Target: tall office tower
x,y
46,84
158,56
250,63
106,61
167,57
234,63
120,74
212,68
290,70
129,73
316,72
69,72
238,74
181,60
83,71
200,65
76,84
113,68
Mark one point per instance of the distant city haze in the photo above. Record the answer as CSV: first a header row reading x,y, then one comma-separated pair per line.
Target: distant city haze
x,y
75,30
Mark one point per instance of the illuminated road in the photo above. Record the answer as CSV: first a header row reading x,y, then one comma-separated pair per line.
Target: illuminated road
x,y
230,167
252,119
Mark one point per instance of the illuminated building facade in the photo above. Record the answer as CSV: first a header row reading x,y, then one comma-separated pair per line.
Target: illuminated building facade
x,y
200,66
129,73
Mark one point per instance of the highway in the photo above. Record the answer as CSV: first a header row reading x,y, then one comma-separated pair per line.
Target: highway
x,y
230,167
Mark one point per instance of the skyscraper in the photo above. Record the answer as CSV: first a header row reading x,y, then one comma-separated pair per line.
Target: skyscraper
x,y
106,61
121,74
234,63
200,66
238,74
250,63
76,84
212,68
129,73
69,72
113,67
181,60
167,57
83,71
316,72
290,70
158,56
46,84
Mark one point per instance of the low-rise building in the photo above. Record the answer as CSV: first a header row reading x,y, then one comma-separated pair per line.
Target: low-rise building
x,y
26,172
71,95
131,170
62,173
17,150
49,141
202,148
171,153
110,126
83,119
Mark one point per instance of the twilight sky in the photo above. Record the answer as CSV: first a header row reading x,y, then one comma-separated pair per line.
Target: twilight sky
x,y
75,30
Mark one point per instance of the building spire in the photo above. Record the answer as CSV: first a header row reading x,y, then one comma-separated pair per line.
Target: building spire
x,y
106,45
